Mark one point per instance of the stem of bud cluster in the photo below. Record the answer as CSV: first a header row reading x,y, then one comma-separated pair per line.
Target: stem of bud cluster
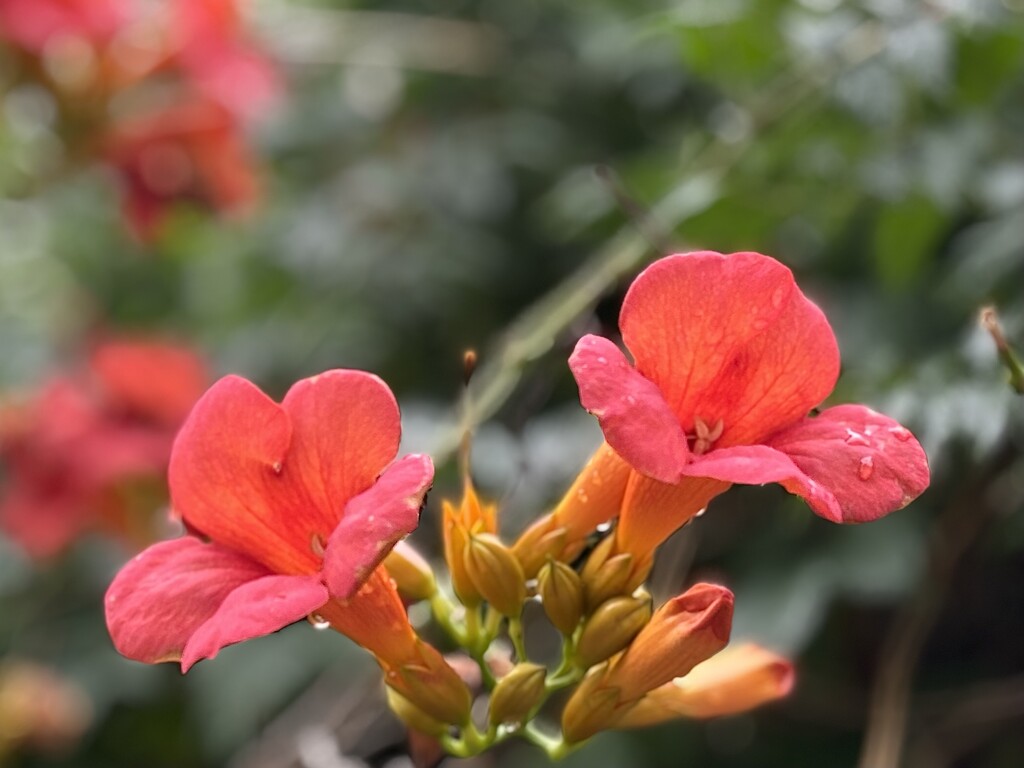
x,y
554,746
515,634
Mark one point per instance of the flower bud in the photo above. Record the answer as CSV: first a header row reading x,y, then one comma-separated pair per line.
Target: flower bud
x,y
411,572
541,541
610,579
413,716
432,686
732,681
517,694
611,628
495,573
460,522
591,708
561,593
685,631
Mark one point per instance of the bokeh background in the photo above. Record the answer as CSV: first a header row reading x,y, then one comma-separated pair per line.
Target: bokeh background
x,y
385,184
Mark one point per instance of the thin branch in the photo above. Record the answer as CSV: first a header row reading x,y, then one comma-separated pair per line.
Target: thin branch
x,y
957,528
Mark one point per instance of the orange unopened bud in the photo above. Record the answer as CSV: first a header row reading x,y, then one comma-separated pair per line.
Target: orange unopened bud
x,y
592,707
517,694
561,594
733,681
495,573
460,522
540,542
611,628
411,572
685,631
413,716
432,686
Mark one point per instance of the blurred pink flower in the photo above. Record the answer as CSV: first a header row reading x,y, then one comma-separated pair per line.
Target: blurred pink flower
x,y
193,151
70,452
210,44
33,24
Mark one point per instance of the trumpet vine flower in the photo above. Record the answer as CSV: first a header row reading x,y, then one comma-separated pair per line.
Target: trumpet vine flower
x,y
292,507
729,358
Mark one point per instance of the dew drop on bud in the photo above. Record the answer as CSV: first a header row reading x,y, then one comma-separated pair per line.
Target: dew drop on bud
x,y
318,621
866,468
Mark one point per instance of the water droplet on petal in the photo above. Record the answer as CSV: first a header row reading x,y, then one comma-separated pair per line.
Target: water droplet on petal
x,y
318,621
276,466
316,543
603,360
900,433
604,527
630,400
777,297
582,496
866,468
855,438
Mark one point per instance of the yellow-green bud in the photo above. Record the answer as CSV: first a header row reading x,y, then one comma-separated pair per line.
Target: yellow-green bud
x,y
591,708
539,542
609,580
561,594
432,686
495,573
611,628
411,572
517,694
413,716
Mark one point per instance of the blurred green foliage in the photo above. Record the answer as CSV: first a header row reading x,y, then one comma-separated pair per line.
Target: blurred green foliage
x,y
430,175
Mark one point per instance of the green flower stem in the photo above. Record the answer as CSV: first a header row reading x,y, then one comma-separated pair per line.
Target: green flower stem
x,y
473,644
443,609
515,634
555,746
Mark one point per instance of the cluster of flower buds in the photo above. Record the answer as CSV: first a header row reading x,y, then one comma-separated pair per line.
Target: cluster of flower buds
x,y
297,510
158,92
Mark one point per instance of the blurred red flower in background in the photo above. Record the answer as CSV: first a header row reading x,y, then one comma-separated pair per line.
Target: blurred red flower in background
x,y
194,77
34,24
189,151
78,454
210,44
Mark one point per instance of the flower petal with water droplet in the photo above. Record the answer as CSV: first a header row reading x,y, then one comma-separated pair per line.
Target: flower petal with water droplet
x,y
636,420
374,521
254,609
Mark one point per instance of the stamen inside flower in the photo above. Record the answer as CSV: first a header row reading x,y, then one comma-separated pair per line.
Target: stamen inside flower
x,y
316,543
704,436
